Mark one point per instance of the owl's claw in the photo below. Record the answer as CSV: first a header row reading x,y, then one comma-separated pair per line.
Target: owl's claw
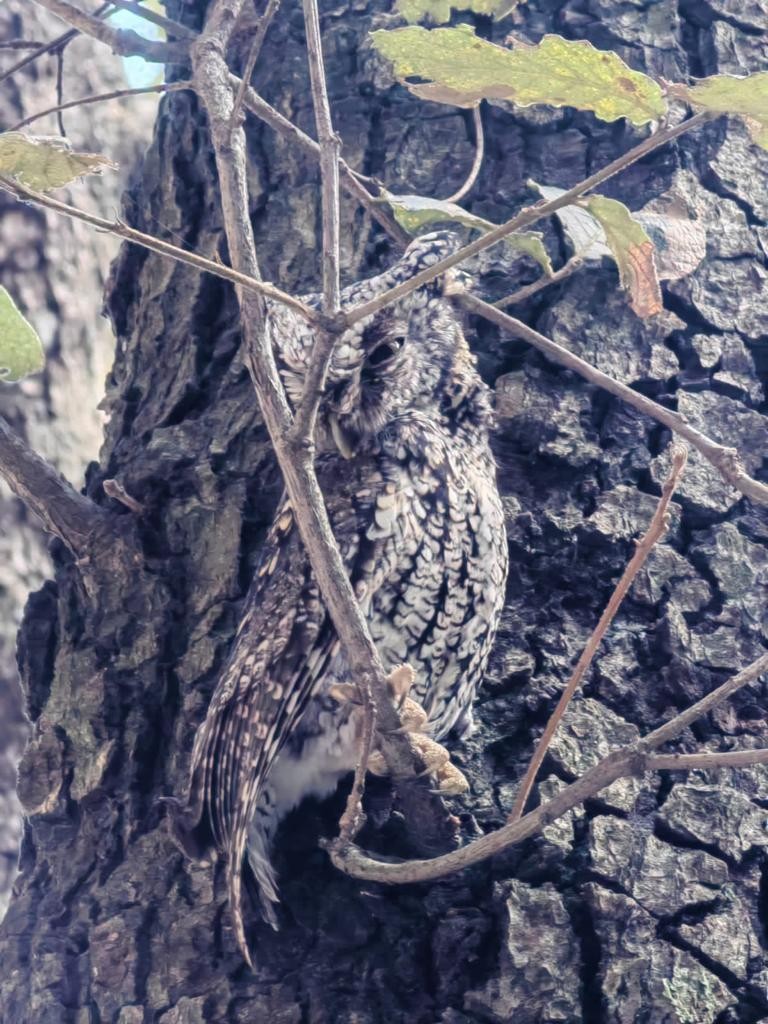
x,y
437,763
413,719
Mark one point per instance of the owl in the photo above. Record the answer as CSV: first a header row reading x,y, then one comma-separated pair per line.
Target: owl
x,y
405,466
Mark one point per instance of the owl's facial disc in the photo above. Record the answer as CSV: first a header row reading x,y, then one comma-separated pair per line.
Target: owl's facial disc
x,y
360,403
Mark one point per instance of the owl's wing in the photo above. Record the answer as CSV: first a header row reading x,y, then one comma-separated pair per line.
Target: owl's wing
x,y
281,651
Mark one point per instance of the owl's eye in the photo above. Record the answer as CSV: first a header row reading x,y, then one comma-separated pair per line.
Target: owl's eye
x,y
387,351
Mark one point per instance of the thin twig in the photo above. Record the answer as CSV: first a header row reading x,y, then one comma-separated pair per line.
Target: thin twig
x,y
477,163
258,41
63,512
60,90
314,384
58,43
672,729
653,534
51,47
349,179
725,460
101,98
19,44
353,818
330,148
706,759
573,264
122,41
633,760
171,27
159,246
525,218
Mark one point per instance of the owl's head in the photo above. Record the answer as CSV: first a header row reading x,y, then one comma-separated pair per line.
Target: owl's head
x,y
409,360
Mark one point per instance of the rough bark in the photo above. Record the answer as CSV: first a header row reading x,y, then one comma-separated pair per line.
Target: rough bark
x,y
56,272
649,904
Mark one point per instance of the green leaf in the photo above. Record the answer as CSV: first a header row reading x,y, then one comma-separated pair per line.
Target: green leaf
x,y
45,162
21,351
633,251
439,11
745,97
461,69
415,213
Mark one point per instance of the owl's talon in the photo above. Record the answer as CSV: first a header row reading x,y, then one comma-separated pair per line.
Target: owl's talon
x,y
451,781
400,680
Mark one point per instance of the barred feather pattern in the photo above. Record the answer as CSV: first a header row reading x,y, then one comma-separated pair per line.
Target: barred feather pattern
x,y
409,481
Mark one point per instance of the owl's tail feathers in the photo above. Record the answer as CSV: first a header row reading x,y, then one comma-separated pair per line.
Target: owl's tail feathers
x,y
264,876
263,873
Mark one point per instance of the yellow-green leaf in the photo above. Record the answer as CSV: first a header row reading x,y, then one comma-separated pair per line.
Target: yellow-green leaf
x,y
45,162
414,213
633,251
460,68
439,11
746,97
21,351
679,243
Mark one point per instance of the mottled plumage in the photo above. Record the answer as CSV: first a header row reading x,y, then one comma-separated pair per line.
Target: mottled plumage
x,y
409,482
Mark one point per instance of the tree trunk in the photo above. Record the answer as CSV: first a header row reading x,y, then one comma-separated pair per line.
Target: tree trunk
x,y
56,271
648,904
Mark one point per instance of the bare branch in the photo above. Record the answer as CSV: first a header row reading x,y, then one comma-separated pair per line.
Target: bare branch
x,y
629,761
654,533
294,455
706,759
63,512
573,264
172,28
726,460
702,707
258,41
353,819
59,56
159,246
330,147
525,218
306,414
123,41
20,44
101,98
477,163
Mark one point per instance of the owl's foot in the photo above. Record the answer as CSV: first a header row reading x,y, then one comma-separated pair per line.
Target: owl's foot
x,y
437,763
413,719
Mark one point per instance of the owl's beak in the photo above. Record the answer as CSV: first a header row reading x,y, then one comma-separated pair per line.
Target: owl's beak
x,y
340,436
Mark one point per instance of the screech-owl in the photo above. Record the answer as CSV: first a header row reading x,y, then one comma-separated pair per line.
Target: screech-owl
x,y
409,481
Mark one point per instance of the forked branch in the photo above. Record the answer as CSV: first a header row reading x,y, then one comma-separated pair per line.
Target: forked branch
x,y
634,760
122,41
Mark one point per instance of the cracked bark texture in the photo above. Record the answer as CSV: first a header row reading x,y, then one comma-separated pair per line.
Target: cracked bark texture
x,y
649,904
56,272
